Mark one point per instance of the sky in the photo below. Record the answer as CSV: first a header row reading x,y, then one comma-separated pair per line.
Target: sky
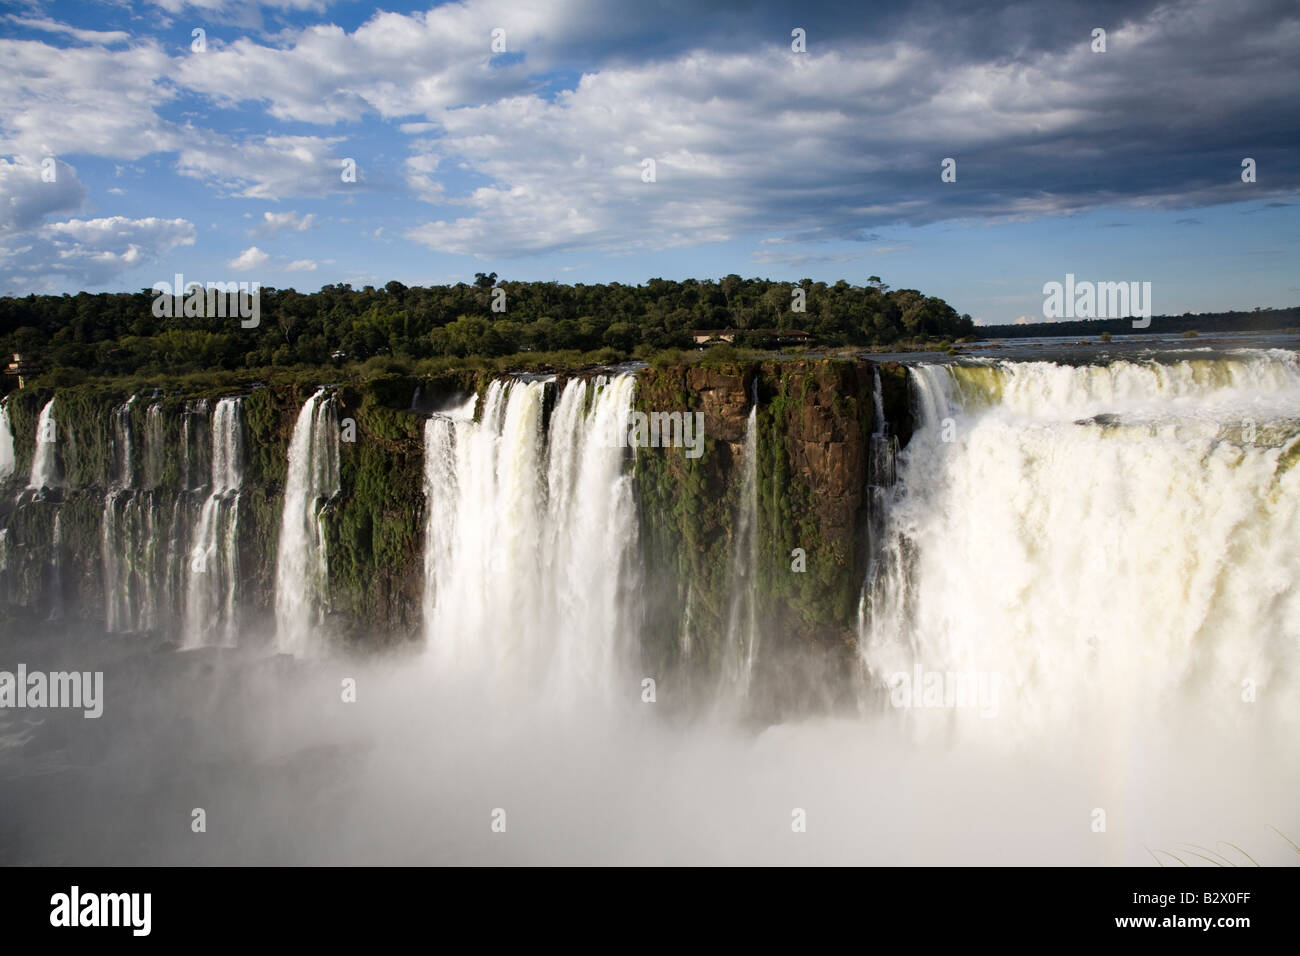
x,y
509,137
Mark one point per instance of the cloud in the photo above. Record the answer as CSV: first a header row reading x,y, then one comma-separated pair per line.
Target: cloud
x,y
83,100
248,13
274,223
301,265
393,65
419,177
40,255
250,258
45,25
540,151
850,137
26,198
86,252
268,167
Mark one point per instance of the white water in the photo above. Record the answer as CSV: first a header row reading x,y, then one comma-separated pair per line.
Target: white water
x,y
56,568
6,443
302,565
531,538
153,446
145,530
742,619
1113,572
881,452
45,467
127,546
120,533
211,601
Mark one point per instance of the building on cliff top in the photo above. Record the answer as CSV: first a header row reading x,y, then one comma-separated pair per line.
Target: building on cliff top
x,y
777,336
21,369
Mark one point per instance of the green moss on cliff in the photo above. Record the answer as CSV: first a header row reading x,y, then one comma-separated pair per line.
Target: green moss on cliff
x,y
791,496
687,508
813,426
375,526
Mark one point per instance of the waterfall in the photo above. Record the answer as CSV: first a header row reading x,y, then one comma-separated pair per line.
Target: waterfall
x,y
45,465
530,537
211,608
120,538
123,442
56,568
127,549
878,403
1105,540
137,595
302,564
6,443
154,446
742,618
882,450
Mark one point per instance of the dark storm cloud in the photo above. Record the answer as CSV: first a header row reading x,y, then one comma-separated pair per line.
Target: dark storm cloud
x,y
851,135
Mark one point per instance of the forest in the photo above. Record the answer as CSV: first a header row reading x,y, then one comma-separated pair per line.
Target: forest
x,y
109,334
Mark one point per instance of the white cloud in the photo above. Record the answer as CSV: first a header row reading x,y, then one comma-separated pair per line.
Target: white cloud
x,y
26,199
46,25
301,265
79,252
83,100
103,235
419,177
86,252
748,138
250,258
272,167
248,13
394,64
277,222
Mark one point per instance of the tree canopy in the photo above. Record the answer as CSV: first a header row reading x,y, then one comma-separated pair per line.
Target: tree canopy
x,y
118,333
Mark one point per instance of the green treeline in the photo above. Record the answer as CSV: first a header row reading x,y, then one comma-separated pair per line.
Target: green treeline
x,y
1260,320
111,334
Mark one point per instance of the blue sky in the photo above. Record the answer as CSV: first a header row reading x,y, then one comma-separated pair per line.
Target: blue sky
x,y
225,163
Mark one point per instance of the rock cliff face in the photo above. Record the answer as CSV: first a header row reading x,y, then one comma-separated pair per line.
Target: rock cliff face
x,y
813,426
812,430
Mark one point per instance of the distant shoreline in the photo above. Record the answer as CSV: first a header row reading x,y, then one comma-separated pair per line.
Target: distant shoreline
x,y
1264,320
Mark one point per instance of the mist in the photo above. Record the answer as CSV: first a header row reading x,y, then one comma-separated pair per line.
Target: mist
x,y
413,771
1075,646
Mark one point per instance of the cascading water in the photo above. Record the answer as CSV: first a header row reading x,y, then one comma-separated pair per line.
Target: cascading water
x,y
1107,541
211,605
141,526
530,541
742,618
45,465
56,569
302,564
882,449
6,443
154,446
121,534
